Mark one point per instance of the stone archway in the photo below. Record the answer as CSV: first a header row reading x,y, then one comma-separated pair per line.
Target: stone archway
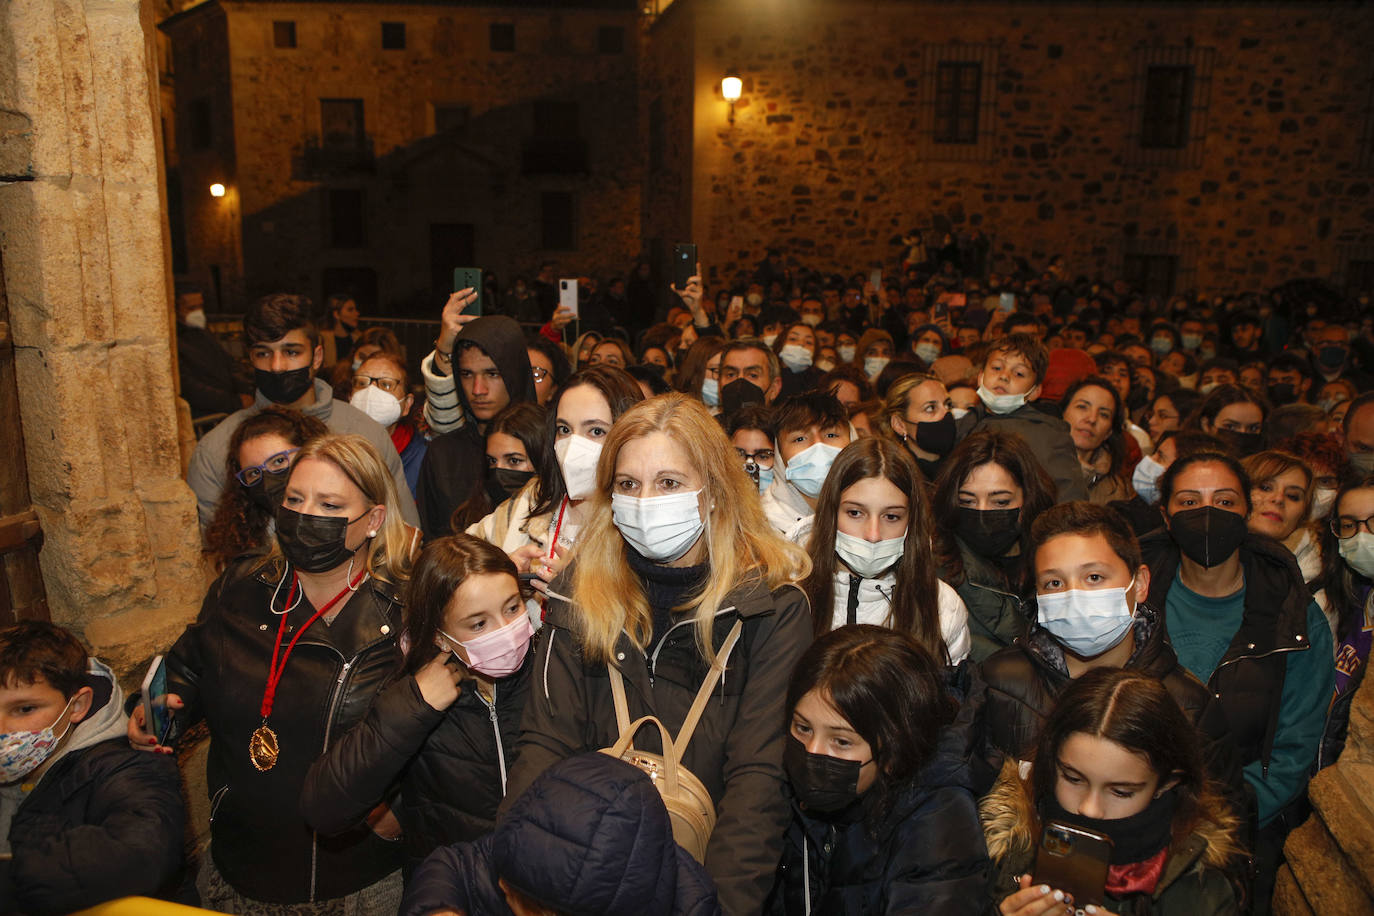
x,y
84,242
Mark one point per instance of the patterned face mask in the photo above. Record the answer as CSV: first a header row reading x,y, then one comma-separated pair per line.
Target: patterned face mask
x,y
23,752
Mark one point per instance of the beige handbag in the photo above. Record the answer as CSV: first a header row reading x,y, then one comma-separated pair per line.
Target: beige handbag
x,y
690,808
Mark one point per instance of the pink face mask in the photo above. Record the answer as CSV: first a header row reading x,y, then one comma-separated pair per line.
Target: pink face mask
x,y
501,652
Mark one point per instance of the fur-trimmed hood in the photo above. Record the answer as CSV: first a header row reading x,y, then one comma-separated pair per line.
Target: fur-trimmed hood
x,y
1010,828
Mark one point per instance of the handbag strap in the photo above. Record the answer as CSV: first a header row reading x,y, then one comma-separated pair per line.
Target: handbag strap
x,y
689,724
670,761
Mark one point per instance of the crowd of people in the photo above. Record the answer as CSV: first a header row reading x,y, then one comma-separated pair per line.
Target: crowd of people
x,y
815,594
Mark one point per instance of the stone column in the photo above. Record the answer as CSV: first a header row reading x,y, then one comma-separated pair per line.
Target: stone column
x,y
86,258
1330,867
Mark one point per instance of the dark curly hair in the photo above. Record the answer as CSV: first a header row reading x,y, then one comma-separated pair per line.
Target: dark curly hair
x,y
239,524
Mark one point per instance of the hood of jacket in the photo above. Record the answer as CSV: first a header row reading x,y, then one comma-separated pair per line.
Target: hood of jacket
x,y
590,836
1012,828
783,503
501,339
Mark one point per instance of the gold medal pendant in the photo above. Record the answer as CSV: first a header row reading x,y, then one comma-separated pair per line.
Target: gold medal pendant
x,y
262,748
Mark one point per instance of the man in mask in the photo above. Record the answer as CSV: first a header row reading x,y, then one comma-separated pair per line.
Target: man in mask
x,y
1359,434
285,352
812,429
1331,357
1091,612
749,361
487,357
210,381
1288,381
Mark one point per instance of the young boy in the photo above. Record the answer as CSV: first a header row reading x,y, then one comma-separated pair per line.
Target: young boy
x,y
1090,587
1008,384
84,818
812,429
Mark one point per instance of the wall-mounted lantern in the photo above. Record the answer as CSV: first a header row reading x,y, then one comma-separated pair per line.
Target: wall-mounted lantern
x,y
730,88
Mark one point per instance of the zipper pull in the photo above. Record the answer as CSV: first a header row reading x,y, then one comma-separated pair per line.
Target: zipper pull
x,y
343,673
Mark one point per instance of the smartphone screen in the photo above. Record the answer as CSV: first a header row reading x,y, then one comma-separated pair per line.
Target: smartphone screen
x,y
684,263
1007,302
469,278
875,279
567,295
158,719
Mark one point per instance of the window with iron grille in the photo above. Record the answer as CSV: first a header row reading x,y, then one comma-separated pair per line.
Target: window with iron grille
x,y
283,34
958,88
1168,107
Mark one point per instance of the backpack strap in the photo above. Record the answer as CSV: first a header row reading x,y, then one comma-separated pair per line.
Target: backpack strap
x,y
689,725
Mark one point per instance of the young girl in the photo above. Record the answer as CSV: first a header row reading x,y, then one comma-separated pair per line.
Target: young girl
x,y
446,728
884,819
261,453
988,493
676,572
871,557
1117,757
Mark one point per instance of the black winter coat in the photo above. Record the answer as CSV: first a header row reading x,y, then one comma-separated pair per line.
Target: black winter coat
x,y
926,853
996,615
451,764
736,751
105,822
260,843
591,835
1025,680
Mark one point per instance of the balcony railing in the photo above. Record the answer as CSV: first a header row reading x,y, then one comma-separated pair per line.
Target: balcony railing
x,y
332,158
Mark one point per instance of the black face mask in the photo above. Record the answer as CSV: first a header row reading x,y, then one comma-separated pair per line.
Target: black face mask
x,y
1207,536
503,483
988,532
1135,838
283,387
936,437
1282,393
313,543
739,393
267,492
1331,357
1243,444
822,783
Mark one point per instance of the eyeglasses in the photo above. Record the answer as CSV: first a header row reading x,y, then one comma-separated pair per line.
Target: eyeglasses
x,y
389,385
275,464
1345,527
763,455
539,373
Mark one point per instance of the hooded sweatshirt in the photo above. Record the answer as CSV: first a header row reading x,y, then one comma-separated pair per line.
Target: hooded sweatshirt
x,y
456,461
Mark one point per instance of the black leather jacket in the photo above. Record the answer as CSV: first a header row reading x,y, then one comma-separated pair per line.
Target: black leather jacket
x,y
219,667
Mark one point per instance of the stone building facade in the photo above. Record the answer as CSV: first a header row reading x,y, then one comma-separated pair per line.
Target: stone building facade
x,y
1222,146
373,146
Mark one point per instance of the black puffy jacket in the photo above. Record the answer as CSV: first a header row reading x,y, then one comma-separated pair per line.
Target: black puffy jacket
x,y
451,764
1025,680
926,853
260,843
590,837
736,750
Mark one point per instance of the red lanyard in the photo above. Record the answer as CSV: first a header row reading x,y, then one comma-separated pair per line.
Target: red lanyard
x,y
553,544
274,673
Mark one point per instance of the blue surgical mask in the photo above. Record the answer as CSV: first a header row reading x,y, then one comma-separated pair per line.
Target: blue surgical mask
x,y
808,468
765,478
710,392
1146,479
927,352
1161,345
1088,622
1191,341
874,365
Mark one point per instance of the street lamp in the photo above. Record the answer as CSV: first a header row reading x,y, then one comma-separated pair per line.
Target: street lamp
x,y
730,88
217,190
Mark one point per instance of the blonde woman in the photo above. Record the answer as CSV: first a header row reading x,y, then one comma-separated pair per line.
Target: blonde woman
x,y
289,650
677,553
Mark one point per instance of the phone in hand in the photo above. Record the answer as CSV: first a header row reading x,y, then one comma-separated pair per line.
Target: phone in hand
x,y
567,295
469,278
684,264
875,280
159,721
1007,302
1074,860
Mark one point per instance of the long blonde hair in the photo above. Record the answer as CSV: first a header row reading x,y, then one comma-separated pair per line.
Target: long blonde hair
x,y
740,544
389,554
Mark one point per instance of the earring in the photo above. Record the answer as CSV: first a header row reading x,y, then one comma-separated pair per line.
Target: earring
x,y
372,534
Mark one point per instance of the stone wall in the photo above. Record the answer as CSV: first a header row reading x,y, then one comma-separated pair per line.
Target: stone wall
x,y
472,176
86,270
830,155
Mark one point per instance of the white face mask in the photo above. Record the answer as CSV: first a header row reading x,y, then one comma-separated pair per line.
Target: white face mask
x,y
577,458
769,339
378,405
1208,388
1358,553
846,353
660,528
1145,479
874,365
1000,403
195,319
1323,498
1087,621
927,352
825,365
795,357
808,468
811,318
868,558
